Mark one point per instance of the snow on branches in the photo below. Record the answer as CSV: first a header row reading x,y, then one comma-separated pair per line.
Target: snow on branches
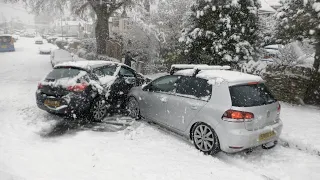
x,y
221,32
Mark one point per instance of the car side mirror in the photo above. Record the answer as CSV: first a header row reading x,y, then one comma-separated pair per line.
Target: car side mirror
x,y
130,80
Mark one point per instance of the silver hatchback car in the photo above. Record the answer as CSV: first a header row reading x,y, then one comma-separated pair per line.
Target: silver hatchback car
x,y
217,109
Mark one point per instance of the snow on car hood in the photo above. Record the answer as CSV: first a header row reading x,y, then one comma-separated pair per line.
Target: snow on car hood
x,y
107,80
45,48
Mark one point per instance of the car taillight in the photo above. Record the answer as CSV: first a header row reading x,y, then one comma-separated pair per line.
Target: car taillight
x,y
77,87
237,116
279,108
40,86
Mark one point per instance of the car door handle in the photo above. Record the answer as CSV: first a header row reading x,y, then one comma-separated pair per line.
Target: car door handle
x,y
194,107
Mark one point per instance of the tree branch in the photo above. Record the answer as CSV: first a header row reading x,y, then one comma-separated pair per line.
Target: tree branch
x,y
80,10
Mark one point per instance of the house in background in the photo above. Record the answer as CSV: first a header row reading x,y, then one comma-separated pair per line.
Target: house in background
x,y
118,24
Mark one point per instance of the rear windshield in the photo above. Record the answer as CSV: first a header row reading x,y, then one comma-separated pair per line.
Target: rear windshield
x,y
63,73
251,95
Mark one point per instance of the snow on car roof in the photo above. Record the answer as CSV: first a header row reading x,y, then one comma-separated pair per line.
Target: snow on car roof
x,y
230,76
273,46
185,66
86,64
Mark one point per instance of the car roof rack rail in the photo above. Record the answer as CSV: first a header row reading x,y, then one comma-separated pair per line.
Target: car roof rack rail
x,y
200,68
178,67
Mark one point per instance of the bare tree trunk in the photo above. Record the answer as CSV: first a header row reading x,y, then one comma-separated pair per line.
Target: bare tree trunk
x,y
316,63
102,32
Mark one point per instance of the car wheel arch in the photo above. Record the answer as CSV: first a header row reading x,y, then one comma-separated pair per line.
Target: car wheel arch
x,y
194,125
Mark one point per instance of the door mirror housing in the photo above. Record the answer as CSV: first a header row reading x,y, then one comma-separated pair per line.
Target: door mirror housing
x,y
130,80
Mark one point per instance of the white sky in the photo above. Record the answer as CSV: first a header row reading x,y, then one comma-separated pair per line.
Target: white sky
x,y
14,10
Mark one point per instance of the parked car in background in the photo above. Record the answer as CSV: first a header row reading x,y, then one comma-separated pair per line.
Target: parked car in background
x,y
6,43
52,39
44,36
38,40
45,49
271,52
29,35
87,87
217,109
59,55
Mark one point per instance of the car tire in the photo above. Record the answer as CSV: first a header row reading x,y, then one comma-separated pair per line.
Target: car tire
x,y
205,139
98,109
133,108
269,146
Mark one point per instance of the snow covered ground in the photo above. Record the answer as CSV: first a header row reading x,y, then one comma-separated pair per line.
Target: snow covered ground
x,y
301,130
35,145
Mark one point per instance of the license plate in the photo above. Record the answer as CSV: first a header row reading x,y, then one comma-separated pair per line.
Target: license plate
x,y
4,46
51,103
266,136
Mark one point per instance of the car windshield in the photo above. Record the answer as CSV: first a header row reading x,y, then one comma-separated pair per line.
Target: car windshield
x,y
5,39
250,95
59,73
108,70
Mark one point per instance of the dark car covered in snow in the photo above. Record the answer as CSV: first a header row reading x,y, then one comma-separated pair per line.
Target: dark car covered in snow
x,y
87,87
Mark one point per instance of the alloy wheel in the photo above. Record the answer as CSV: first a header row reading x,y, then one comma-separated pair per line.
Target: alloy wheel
x,y
204,138
99,110
133,108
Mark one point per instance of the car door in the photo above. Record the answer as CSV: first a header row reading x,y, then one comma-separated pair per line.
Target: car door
x,y
154,98
191,95
110,82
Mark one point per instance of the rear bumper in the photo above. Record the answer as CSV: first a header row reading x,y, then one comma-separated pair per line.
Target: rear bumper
x,y
70,103
236,140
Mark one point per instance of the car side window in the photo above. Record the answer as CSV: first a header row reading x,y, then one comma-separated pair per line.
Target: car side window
x,y
194,87
126,72
98,72
108,70
164,84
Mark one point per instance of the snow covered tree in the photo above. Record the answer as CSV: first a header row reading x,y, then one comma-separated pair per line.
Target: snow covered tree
x,y
297,20
267,24
221,32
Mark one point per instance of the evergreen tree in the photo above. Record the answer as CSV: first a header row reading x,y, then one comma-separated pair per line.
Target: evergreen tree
x,y
297,20
221,32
